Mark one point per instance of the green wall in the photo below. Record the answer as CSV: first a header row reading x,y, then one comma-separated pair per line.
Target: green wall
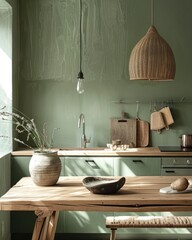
x,y
49,64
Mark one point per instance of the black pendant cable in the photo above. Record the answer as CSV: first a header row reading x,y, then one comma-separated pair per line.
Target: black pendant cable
x,y
80,77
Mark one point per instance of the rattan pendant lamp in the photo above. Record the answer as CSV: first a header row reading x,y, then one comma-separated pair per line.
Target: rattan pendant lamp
x,y
152,58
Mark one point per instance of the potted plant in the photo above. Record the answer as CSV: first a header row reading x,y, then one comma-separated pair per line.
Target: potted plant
x,y
45,164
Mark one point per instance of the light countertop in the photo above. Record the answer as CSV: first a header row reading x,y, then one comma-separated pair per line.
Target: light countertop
x,y
148,151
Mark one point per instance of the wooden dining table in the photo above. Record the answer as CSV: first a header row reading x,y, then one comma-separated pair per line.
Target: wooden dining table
x,y
139,194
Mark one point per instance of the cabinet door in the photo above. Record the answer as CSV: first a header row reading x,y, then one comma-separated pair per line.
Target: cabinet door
x,y
86,222
19,168
88,166
137,166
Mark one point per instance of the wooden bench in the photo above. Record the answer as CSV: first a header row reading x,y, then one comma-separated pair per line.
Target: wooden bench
x,y
146,222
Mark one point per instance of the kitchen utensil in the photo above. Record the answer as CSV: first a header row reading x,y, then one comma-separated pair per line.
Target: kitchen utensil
x,y
142,128
123,129
100,185
167,116
120,147
142,133
157,121
186,140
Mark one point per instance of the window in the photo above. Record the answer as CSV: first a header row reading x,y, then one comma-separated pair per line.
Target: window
x,y
5,73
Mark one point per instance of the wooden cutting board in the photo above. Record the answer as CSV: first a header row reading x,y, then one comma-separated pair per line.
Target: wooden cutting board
x,y
142,133
124,129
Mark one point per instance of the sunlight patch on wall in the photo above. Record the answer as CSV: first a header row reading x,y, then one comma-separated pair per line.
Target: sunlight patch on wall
x,y
5,78
5,74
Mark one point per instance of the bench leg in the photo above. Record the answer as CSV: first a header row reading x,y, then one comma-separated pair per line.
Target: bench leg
x,y
113,234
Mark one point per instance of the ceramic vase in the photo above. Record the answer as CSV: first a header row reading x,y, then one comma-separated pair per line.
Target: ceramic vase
x,y
45,168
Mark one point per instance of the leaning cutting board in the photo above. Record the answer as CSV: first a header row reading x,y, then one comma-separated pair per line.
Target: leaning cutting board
x,y
142,133
124,129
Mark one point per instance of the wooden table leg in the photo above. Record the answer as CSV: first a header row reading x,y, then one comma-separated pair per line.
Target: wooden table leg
x,y
45,225
52,225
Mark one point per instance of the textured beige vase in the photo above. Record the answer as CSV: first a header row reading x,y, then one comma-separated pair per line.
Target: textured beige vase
x,y
45,168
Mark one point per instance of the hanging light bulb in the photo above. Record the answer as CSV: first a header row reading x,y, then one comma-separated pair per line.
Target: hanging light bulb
x,y
80,82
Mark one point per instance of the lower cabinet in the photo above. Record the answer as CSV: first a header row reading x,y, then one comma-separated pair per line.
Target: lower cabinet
x,y
85,222
19,168
92,222
88,166
137,166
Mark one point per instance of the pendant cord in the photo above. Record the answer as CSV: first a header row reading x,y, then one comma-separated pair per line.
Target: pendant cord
x,y
80,35
152,12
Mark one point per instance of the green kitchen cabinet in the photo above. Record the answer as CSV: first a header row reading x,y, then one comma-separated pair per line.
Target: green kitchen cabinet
x,y
88,166
87,222
137,166
19,168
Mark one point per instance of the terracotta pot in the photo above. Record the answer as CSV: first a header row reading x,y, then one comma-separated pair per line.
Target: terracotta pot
x,y
45,168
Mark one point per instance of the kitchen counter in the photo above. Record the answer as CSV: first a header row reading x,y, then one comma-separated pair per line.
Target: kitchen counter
x,y
148,151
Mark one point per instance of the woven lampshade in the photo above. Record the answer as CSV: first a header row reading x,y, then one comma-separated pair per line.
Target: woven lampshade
x,y
152,58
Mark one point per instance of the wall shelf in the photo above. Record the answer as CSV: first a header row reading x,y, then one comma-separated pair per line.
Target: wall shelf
x,y
154,101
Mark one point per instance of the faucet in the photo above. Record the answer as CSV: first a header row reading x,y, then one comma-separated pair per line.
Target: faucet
x,y
84,140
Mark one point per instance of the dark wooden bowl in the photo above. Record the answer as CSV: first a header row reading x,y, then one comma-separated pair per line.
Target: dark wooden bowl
x,y
100,185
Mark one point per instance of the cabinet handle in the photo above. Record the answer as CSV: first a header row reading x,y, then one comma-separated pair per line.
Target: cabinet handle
x,y
170,171
92,163
137,161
